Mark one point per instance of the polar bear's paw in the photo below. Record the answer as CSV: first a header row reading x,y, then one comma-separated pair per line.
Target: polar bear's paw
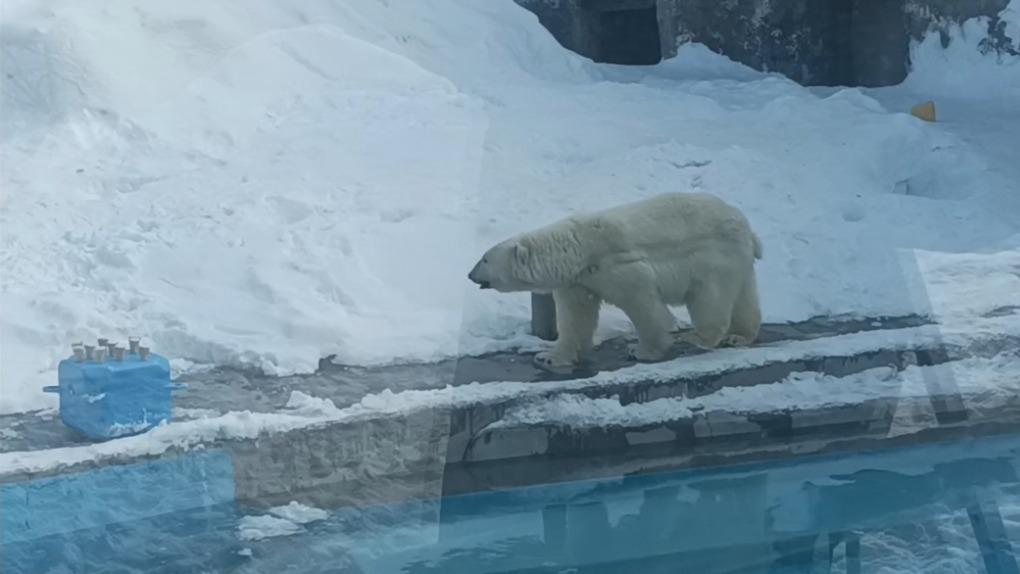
x,y
645,354
735,341
692,338
551,360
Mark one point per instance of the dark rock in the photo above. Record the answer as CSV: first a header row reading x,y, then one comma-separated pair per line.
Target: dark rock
x,y
842,42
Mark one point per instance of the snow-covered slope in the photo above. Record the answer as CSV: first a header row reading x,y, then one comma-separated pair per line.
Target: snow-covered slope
x,y
266,182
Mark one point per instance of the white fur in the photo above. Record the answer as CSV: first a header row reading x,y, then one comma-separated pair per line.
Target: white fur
x,y
673,249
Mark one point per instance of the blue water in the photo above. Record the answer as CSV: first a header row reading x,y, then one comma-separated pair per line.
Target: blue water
x,y
951,507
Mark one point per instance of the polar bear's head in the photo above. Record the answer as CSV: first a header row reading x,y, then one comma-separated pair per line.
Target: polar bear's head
x,y
504,268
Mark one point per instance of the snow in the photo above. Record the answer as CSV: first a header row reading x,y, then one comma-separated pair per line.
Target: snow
x,y
264,183
120,429
299,513
259,527
974,378
965,289
184,434
281,521
306,405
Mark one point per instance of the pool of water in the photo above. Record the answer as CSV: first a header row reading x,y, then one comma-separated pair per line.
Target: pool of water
x,y
949,507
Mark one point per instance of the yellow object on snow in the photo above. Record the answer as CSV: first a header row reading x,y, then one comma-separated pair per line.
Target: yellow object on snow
x,y
925,111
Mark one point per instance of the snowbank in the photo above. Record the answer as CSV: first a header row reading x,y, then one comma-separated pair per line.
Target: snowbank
x,y
264,183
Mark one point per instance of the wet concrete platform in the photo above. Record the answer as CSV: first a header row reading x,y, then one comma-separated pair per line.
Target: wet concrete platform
x,y
345,385
224,390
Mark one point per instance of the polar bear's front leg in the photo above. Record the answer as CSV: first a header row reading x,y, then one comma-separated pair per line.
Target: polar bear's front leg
x,y
577,316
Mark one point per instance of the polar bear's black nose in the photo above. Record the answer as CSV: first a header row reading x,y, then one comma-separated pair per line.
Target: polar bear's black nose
x,y
473,276
482,284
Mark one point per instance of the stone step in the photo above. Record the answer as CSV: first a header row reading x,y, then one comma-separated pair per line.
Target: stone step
x,y
869,418
468,426
837,365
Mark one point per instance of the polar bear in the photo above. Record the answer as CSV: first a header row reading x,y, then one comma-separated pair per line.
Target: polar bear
x,y
689,249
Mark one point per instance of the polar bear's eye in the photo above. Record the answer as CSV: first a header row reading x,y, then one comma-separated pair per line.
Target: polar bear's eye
x,y
484,260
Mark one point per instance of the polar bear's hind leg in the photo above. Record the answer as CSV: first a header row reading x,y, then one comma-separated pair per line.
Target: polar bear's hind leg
x,y
746,320
711,308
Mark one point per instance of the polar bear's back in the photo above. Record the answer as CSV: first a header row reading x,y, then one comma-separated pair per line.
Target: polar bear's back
x,y
668,226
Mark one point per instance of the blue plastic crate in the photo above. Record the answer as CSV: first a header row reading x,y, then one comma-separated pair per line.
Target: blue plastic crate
x,y
114,398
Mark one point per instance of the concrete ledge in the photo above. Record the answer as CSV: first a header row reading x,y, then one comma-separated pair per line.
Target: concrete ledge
x,y
416,455
226,390
870,419
461,478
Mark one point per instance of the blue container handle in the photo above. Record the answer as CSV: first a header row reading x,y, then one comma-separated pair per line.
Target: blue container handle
x,y
51,389
177,386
